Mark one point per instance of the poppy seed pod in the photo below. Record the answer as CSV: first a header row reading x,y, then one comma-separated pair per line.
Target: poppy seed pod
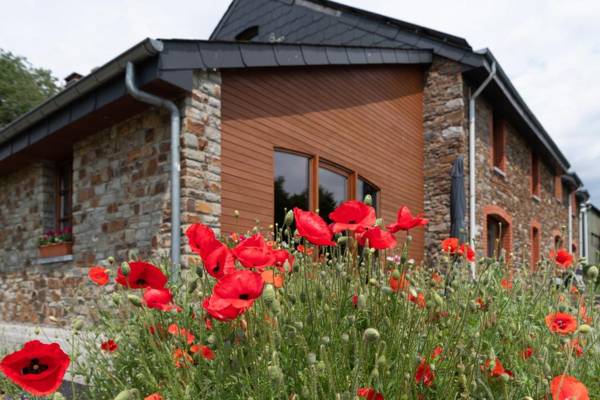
x,y
275,374
125,268
289,218
368,200
268,294
371,335
592,273
58,396
77,325
135,300
111,260
116,299
585,329
129,394
361,302
345,337
311,358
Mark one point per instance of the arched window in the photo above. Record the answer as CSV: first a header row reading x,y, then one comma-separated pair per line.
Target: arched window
x,y
535,244
497,234
247,34
333,189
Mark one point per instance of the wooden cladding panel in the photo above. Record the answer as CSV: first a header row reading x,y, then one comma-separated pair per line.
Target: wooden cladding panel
x,y
365,119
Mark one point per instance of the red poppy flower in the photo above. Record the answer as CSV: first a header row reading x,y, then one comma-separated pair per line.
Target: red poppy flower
x,y
506,283
419,299
437,278
312,227
98,275
37,368
481,303
574,344
378,239
182,358
561,323
450,245
527,353
369,394
400,283
142,275
109,346
405,221
498,369
253,252
159,299
424,374
269,276
562,257
205,351
355,300
565,387
234,294
218,260
281,256
467,251
436,352
154,396
352,215
175,330
200,238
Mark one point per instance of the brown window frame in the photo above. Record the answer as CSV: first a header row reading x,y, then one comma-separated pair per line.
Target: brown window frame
x,y
61,221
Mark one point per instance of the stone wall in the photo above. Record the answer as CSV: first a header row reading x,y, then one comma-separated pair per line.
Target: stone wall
x,y
121,205
446,137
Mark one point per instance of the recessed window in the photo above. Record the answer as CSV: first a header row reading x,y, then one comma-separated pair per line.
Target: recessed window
x,y
497,236
566,196
247,34
333,190
290,183
536,182
535,247
63,195
364,188
499,143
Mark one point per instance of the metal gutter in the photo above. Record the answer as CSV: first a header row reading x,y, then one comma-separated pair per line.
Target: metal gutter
x,y
139,52
146,97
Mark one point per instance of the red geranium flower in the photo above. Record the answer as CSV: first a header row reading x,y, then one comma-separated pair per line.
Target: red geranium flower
x,y
142,275
281,256
352,215
424,374
159,299
37,368
450,245
205,351
253,252
378,239
154,396
467,251
369,394
312,227
562,257
498,369
561,323
405,221
234,294
109,346
565,387
98,275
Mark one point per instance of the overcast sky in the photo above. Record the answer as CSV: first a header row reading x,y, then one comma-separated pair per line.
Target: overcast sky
x,y
549,48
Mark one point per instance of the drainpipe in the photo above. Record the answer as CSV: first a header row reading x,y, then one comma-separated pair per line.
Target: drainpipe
x,y
156,101
570,222
586,236
472,136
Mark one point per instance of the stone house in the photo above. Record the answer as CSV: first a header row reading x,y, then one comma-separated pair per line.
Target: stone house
x,y
304,102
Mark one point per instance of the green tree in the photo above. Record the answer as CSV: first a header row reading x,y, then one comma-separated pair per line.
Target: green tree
x,y
22,86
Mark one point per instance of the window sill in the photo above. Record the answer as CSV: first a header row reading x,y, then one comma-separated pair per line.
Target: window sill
x,y
536,198
53,260
499,172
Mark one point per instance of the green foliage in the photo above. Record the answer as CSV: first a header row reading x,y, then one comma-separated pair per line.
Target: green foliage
x,y
22,86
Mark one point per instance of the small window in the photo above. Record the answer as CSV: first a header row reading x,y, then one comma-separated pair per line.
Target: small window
x,y
333,190
247,34
535,174
558,187
557,242
497,236
499,143
566,196
364,188
290,183
63,195
535,247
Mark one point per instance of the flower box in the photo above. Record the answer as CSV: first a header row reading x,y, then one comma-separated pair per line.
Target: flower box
x,y
56,249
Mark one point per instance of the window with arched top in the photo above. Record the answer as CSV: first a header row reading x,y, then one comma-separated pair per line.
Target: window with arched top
x,y
497,231
536,243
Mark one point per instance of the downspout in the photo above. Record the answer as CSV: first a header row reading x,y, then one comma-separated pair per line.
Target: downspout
x,y
581,230
145,97
586,232
570,222
472,168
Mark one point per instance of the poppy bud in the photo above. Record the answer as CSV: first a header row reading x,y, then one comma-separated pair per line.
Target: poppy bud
x,y
387,290
592,273
373,282
289,218
125,268
276,307
381,361
111,260
379,222
325,340
438,299
311,358
462,381
585,329
321,366
299,324
361,302
371,335
460,367
345,337
58,396
342,239
37,330
504,377
375,373
77,325
268,294
135,300
275,373
368,200
116,299
129,394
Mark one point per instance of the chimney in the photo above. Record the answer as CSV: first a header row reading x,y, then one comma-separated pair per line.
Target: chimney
x,y
72,78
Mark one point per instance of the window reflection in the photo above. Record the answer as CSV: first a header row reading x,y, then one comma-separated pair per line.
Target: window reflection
x,y
333,190
290,183
364,188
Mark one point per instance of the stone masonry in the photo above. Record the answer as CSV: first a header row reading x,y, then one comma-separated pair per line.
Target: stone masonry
x,y
121,197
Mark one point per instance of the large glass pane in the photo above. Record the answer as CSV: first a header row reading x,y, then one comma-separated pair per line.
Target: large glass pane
x,y
333,190
291,183
364,188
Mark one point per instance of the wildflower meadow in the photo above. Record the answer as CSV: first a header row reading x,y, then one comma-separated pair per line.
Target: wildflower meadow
x,y
311,310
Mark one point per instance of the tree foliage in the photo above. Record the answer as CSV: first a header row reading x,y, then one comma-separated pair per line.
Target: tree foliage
x,y
22,86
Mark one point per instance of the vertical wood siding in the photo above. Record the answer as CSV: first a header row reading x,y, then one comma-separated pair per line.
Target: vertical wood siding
x,y
366,119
